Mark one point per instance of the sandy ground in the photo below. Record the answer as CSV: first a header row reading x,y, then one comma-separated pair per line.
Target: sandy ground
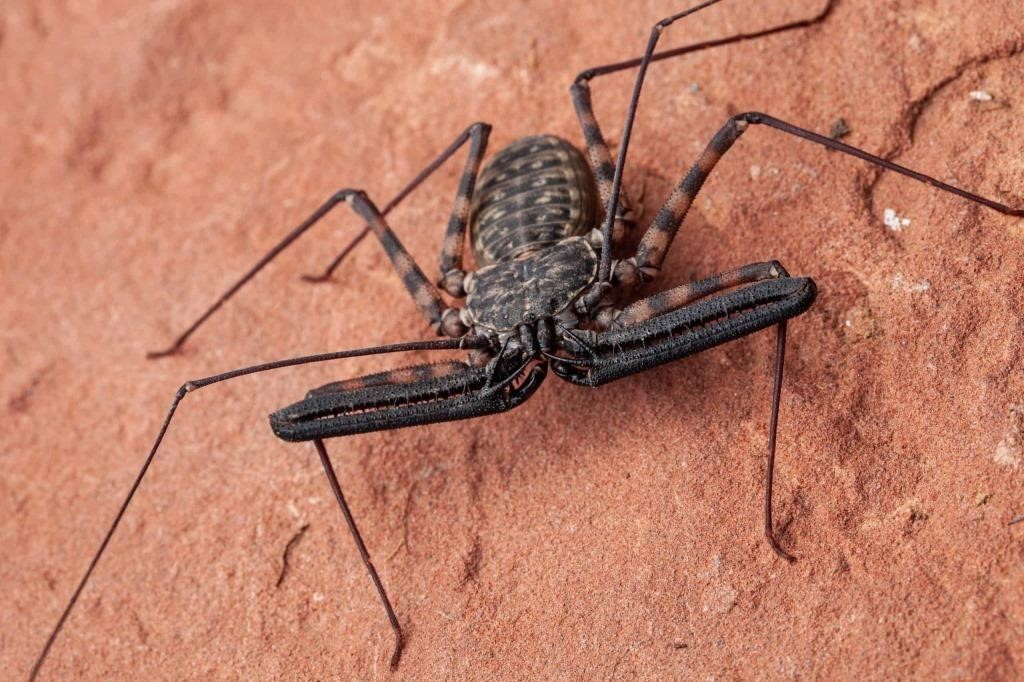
x,y
152,151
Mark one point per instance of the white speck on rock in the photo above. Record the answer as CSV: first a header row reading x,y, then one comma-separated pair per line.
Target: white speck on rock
x,y
980,95
474,70
900,283
893,221
1010,450
720,598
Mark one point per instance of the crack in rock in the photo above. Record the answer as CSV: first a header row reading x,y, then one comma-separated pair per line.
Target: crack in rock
x,y
913,111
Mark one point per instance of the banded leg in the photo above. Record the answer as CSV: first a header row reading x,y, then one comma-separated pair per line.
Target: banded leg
x,y
444,319
658,238
452,273
642,338
667,232
477,132
684,294
601,161
597,147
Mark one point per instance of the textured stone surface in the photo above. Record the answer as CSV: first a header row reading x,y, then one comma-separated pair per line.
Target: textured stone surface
x,y
153,150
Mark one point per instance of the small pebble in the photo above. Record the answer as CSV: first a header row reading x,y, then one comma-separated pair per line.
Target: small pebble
x,y
839,129
893,221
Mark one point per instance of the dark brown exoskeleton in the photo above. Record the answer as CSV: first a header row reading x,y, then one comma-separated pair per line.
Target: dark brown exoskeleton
x,y
544,220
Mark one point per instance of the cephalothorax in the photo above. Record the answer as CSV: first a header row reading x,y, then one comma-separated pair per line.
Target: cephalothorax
x,y
554,289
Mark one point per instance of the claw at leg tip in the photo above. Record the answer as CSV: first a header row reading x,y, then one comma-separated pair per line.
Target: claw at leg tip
x,y
778,550
397,654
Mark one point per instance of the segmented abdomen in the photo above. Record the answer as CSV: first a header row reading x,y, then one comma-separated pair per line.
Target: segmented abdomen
x,y
535,192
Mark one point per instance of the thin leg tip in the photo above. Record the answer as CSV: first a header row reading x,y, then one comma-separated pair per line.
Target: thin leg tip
x,y
154,354
778,549
397,654
316,279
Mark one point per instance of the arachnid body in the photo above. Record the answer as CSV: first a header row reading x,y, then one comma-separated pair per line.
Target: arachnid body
x,y
554,291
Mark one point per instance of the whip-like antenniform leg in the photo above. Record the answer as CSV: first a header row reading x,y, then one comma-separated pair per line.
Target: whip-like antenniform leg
x,y
191,386
597,148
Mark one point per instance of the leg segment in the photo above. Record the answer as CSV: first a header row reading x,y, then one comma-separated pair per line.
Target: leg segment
x,y
642,338
600,160
444,319
694,179
658,238
195,385
332,478
597,147
452,273
477,132
773,428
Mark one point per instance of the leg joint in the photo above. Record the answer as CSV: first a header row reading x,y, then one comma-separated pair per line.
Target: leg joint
x,y
347,194
752,117
479,128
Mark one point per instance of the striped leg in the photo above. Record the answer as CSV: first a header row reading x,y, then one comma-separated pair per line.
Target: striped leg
x,y
601,160
656,241
628,275
659,235
477,133
452,274
597,147
444,319
666,301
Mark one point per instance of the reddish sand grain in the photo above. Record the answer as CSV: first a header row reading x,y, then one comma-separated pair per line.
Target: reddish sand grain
x,y
151,151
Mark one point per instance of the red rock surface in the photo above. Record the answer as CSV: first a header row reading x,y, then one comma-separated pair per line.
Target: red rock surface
x,y
153,150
